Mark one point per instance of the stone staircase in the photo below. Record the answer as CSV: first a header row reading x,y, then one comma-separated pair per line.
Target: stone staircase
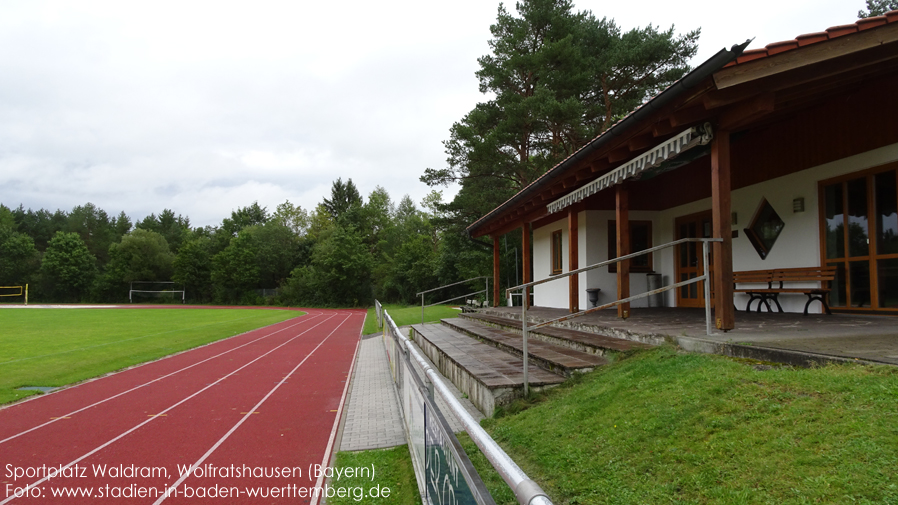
x,y
483,356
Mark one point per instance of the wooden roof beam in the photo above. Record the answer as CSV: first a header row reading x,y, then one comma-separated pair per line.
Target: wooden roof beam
x,y
690,115
746,112
641,142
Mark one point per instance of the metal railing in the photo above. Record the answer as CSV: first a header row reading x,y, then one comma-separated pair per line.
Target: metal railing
x,y
525,288
402,354
485,291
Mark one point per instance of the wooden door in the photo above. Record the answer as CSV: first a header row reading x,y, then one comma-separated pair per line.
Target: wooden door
x,y
688,257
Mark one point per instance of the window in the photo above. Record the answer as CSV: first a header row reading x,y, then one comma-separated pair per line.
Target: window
x,y
764,229
556,252
640,239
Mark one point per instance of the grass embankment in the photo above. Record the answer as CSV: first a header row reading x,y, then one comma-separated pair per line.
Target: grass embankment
x,y
405,315
665,427
392,469
55,347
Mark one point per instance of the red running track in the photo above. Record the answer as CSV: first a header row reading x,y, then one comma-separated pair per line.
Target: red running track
x,y
243,411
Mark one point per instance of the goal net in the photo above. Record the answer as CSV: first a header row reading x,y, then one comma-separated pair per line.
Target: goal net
x,y
166,290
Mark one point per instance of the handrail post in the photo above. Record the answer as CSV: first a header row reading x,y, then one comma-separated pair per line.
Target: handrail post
x,y
707,269
486,293
422,308
524,333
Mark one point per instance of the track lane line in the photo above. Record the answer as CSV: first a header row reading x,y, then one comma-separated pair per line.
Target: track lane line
x,y
65,416
138,426
247,415
330,442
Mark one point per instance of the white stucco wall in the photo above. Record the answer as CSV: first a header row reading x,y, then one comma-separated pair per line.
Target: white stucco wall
x,y
797,246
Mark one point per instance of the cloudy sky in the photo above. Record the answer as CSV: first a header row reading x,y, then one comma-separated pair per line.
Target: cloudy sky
x,y
204,107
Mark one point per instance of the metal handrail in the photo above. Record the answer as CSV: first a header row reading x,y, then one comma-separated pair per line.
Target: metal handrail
x,y
485,292
526,490
453,284
704,277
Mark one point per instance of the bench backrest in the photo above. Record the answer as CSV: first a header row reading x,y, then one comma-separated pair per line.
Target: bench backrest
x,y
808,274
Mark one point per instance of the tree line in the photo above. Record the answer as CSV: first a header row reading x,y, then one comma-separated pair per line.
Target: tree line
x,y
555,78
344,252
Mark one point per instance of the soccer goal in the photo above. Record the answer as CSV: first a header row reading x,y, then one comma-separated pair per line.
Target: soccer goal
x,y
15,291
157,289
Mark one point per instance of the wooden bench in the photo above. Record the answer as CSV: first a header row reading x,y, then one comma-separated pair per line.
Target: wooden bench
x,y
821,275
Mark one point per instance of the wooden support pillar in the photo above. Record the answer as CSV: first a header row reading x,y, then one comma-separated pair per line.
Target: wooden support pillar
x,y
722,252
525,232
573,250
622,208
495,270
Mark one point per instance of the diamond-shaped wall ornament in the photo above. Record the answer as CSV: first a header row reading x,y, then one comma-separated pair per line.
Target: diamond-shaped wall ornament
x,y
764,229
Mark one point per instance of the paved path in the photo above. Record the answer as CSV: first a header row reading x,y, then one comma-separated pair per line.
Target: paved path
x,y
372,419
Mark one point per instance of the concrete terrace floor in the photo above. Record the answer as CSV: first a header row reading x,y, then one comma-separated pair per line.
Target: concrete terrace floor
x,y
870,338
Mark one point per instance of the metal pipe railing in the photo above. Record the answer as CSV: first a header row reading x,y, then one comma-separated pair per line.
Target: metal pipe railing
x,y
526,490
485,292
704,277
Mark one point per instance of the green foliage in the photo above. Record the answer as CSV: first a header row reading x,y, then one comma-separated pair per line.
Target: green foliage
x,y
68,267
141,255
173,228
20,259
93,225
339,273
192,268
557,78
40,225
235,271
345,205
877,8
293,217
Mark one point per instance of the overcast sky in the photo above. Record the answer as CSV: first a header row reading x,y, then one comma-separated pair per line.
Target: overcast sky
x,y
204,107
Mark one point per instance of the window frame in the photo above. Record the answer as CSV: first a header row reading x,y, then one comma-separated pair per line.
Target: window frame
x,y
557,264
612,246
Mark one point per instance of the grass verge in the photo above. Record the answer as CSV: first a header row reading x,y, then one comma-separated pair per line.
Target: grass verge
x,y
392,473
666,427
55,347
404,315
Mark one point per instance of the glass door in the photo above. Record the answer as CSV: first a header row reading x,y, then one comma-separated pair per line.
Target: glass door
x,y
859,224
688,257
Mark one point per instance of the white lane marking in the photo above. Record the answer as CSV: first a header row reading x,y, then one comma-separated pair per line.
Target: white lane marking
x,y
325,461
135,428
245,417
64,416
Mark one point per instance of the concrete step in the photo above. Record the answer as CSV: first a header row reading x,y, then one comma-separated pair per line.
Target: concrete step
x,y
489,376
548,356
583,341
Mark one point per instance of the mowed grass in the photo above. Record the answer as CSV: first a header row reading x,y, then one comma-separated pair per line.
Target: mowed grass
x,y
55,347
666,427
404,315
393,473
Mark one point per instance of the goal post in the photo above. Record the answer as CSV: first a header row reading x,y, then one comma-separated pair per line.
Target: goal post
x,y
15,291
155,288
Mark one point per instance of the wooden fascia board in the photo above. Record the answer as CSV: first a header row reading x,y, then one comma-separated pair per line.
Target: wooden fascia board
x,y
808,55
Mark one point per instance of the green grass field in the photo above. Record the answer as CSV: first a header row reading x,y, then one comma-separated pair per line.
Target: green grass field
x,y
392,469
667,427
404,315
55,347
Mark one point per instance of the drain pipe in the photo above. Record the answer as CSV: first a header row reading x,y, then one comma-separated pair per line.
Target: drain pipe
x,y
525,490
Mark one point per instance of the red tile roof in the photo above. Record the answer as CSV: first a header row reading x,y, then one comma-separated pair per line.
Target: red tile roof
x,y
813,38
